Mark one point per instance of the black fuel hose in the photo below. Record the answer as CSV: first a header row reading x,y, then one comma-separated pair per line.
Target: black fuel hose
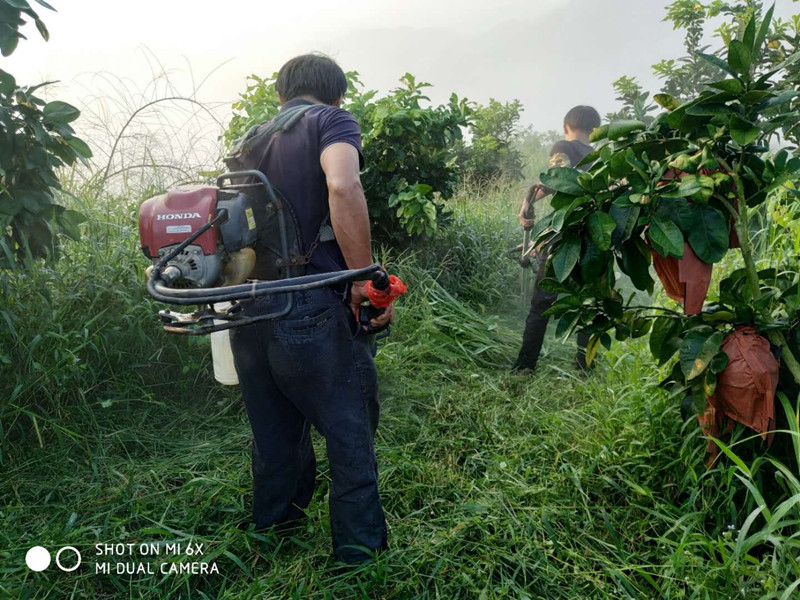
x,y
161,292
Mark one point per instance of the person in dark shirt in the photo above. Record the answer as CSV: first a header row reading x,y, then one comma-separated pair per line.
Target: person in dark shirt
x,y
314,366
569,152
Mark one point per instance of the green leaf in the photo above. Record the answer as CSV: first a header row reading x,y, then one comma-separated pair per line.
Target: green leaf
x,y
709,383
664,330
551,285
698,349
623,127
743,132
781,97
749,36
35,200
763,30
635,262
566,325
601,226
566,256
7,83
734,86
625,217
81,147
10,205
710,233
689,186
599,133
717,62
739,57
60,112
709,110
618,165
563,179
561,200
592,262
678,211
666,237
793,58
69,222
754,96
719,362
8,43
667,101
422,189
42,30
640,327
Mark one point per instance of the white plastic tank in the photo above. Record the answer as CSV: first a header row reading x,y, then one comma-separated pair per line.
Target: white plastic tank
x,y
221,353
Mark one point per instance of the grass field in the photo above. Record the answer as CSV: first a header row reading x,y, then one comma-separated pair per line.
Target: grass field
x,y
558,485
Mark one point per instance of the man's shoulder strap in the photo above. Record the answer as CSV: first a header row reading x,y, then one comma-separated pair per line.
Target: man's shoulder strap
x,y
284,121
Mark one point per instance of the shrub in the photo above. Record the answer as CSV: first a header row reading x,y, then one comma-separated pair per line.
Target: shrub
x,y
691,179
493,152
408,149
35,139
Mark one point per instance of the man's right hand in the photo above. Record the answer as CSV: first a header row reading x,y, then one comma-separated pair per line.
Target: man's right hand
x,y
358,295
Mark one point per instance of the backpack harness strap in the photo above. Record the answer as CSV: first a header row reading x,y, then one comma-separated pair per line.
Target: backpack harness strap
x,y
284,121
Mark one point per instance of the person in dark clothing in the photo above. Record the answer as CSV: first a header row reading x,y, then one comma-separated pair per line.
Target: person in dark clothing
x,y
314,366
569,152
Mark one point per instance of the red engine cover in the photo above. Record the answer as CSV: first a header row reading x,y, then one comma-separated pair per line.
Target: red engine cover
x,y
169,219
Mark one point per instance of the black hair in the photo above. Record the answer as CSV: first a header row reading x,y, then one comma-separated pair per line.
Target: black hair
x,y
316,75
583,118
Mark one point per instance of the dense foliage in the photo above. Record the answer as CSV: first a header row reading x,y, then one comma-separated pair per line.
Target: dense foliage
x,y
693,175
408,148
492,152
35,139
557,486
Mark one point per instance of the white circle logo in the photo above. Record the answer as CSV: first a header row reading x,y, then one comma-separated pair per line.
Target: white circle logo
x,y
37,558
58,557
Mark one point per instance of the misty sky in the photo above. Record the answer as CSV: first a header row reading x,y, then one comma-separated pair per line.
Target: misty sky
x,y
550,54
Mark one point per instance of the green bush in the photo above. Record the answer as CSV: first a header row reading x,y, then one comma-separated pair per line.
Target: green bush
x,y
408,149
493,152
35,140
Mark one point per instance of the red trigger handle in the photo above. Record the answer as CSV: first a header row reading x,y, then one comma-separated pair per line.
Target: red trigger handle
x,y
382,298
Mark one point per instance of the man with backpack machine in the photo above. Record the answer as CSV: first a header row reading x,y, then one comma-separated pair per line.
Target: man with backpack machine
x,y
578,124
291,218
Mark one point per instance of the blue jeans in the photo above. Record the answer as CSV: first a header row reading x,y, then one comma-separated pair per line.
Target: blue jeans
x,y
311,368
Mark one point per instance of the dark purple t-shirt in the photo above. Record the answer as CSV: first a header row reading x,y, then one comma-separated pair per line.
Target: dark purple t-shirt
x,y
290,160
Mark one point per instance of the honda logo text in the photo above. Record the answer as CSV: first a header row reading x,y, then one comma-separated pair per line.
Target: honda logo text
x,y
175,216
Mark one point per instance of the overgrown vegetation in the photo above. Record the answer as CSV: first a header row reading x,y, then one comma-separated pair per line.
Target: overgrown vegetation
x,y
554,486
